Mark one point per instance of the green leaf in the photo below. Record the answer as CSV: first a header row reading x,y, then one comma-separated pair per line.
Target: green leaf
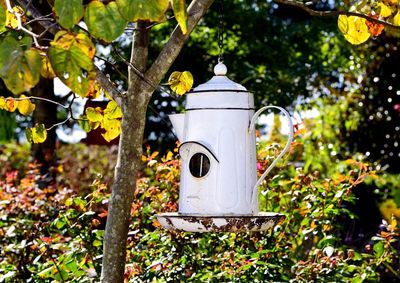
x,y
19,69
3,17
84,123
104,21
112,110
71,58
148,10
87,125
68,13
61,276
7,46
378,249
59,223
46,273
97,243
179,8
357,279
37,134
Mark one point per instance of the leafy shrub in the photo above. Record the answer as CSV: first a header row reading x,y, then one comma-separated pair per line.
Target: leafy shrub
x,y
55,234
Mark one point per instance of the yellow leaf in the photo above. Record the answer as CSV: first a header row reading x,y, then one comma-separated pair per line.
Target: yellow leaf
x,y
112,127
181,82
179,8
25,107
94,114
37,134
12,21
11,104
3,103
47,70
393,222
107,94
169,155
396,19
354,29
112,110
385,10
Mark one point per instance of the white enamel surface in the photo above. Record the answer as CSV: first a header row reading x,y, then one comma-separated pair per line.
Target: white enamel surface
x,y
227,189
178,123
220,81
218,100
220,69
216,124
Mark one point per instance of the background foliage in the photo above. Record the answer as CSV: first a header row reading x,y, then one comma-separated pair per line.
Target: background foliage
x,y
55,232
339,188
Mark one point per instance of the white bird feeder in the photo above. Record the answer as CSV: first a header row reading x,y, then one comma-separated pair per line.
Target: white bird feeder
x,y
219,186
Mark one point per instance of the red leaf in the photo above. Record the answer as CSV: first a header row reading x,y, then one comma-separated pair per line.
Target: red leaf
x,y
374,29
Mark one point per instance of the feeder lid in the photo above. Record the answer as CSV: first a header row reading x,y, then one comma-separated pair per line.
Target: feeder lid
x,y
220,81
220,93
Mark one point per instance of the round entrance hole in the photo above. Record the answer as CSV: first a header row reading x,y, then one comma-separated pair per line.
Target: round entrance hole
x,y
199,165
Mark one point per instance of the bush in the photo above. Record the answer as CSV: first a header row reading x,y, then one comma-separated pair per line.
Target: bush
x,y
55,233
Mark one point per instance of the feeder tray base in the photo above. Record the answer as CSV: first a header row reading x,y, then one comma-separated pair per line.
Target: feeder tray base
x,y
219,223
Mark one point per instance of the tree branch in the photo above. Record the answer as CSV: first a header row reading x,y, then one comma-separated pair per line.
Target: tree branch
x,y
315,13
175,44
139,55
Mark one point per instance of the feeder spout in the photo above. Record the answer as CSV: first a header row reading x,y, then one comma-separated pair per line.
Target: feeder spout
x,y
178,123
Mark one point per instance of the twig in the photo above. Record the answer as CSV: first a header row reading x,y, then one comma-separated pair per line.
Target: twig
x,y
58,269
60,123
112,66
315,13
39,98
42,18
27,6
70,115
142,76
19,21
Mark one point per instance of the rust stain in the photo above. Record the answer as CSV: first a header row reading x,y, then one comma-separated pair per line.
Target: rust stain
x,y
177,222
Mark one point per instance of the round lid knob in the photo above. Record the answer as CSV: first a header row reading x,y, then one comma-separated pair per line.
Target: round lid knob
x,y
220,69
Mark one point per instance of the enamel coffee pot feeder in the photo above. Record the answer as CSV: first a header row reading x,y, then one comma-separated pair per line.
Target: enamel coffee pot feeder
x,y
219,186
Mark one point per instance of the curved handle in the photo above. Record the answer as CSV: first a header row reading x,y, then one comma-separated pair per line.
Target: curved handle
x,y
285,149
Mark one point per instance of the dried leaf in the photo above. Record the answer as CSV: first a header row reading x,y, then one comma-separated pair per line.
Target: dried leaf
x,y
374,29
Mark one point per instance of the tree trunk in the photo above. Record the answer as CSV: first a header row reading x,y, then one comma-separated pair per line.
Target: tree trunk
x,y
134,109
142,82
119,207
46,113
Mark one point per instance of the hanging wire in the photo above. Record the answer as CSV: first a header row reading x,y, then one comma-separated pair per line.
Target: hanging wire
x,y
221,32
